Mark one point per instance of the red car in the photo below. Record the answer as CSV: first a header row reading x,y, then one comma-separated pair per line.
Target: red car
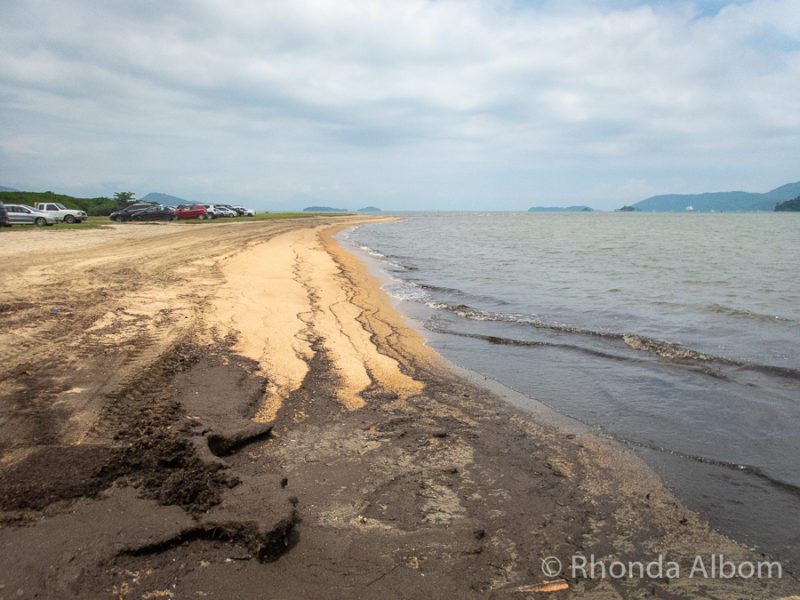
x,y
191,211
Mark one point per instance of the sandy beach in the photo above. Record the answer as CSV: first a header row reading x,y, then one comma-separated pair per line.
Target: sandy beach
x,y
235,410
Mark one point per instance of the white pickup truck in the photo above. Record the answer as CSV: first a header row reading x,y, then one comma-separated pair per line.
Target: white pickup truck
x,y
61,212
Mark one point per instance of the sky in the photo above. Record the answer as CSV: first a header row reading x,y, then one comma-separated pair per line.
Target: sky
x,y
400,104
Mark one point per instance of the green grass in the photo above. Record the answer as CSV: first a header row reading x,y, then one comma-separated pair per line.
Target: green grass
x,y
90,223
98,222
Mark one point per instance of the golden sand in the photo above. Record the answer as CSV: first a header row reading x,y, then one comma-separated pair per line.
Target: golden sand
x,y
297,291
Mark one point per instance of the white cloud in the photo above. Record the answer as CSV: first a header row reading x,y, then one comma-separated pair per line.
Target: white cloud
x,y
502,103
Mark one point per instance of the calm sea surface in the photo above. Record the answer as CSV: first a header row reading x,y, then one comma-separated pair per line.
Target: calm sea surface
x,y
677,334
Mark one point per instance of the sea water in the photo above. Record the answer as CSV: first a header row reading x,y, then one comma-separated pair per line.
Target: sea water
x,y
676,334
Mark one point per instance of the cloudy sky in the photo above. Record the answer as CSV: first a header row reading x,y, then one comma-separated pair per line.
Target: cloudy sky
x,y
404,104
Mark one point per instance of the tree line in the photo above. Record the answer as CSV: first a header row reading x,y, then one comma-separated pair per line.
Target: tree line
x,y
788,206
94,207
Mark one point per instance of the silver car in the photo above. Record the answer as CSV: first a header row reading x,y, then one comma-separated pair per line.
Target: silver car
x,y
223,211
244,212
22,214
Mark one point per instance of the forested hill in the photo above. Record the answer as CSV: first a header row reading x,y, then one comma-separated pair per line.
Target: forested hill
x,y
93,207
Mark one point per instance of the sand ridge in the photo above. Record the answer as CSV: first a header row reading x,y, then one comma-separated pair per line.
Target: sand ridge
x,y
288,296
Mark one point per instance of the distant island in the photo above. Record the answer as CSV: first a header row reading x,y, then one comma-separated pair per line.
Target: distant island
x,y
164,199
626,209
792,205
719,201
560,209
323,209
369,209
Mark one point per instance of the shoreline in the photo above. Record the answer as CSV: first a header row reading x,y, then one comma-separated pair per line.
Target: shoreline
x,y
715,432
294,438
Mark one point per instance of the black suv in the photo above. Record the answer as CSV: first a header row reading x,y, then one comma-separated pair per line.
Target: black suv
x,y
126,213
4,222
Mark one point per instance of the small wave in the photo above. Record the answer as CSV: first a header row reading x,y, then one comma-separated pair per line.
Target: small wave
x,y
666,350
772,370
749,469
441,289
457,293
493,339
465,312
745,314
675,352
406,290
381,257
372,252
474,314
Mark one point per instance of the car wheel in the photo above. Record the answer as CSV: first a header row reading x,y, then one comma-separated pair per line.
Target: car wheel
x,y
69,219
201,217
39,222
118,219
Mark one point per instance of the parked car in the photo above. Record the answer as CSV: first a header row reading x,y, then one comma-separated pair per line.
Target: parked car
x,y
22,214
227,207
125,214
61,212
191,211
154,213
211,210
4,222
223,211
243,211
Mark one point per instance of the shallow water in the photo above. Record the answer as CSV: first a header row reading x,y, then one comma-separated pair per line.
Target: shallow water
x,y
678,334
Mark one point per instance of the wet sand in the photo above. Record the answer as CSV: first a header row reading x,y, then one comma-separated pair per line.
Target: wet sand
x,y
234,410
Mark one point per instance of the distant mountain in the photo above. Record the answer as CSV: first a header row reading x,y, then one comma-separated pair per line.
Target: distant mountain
x,y
785,192
7,189
369,209
165,199
719,201
323,209
560,209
